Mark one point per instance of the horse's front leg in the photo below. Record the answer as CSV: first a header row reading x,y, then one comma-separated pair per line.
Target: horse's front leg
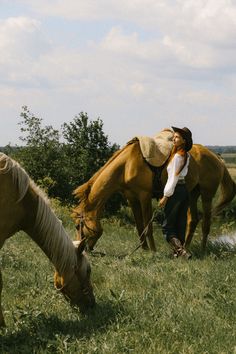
x,y
138,217
2,322
147,212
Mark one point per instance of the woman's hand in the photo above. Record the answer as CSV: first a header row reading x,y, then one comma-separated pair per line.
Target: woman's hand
x,y
163,202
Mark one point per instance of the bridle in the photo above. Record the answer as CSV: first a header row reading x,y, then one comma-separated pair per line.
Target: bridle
x,y
83,224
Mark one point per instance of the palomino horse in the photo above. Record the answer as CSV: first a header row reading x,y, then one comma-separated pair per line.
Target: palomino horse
x,y
24,207
126,171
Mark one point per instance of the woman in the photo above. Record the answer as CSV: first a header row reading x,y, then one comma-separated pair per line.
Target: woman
x,y
175,200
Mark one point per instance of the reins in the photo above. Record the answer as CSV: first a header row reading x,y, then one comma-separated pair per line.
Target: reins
x,y
144,233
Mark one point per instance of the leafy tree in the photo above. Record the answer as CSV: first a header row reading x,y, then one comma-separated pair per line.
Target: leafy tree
x,y
87,147
41,153
61,167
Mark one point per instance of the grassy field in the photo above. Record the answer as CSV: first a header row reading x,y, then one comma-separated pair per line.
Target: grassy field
x,y
146,303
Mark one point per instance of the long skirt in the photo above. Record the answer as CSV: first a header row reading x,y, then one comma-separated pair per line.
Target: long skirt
x,y
175,214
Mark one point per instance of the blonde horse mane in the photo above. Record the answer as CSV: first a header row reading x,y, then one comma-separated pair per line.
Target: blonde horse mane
x,y
19,176
49,232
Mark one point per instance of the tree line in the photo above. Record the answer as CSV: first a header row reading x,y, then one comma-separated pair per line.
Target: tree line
x,y
61,160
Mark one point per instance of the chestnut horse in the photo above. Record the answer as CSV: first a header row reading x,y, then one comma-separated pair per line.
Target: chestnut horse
x,y
127,172
24,207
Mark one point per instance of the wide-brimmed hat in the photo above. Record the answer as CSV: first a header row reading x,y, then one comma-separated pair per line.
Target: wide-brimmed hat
x,y
186,135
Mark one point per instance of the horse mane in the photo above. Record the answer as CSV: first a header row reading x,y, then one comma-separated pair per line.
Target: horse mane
x,y
82,192
19,176
50,235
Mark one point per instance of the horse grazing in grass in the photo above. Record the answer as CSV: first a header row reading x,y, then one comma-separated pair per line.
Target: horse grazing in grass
x,y
24,207
127,171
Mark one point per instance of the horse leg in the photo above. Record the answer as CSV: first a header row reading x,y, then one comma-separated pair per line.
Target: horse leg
x,y
138,217
193,217
206,221
147,215
2,322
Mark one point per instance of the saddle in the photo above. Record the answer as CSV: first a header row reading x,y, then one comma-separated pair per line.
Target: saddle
x,y
155,151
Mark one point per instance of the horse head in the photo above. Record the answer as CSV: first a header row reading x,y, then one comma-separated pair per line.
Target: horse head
x,y
88,227
75,284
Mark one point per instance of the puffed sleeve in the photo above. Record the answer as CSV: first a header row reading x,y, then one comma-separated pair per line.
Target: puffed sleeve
x,y
172,180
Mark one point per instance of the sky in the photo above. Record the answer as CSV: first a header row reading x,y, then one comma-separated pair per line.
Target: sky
x,y
139,65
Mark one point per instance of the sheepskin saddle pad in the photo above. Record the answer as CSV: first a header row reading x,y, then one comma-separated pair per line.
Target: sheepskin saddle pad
x,y
157,149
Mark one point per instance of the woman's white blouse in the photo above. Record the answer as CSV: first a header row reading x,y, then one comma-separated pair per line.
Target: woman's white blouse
x,y
173,167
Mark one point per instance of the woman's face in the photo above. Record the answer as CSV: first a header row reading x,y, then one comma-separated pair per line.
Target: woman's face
x,y
178,140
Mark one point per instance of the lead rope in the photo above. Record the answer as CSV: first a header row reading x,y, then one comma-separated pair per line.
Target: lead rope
x,y
144,233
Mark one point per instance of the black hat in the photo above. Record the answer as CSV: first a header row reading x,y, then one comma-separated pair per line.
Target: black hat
x,y
186,135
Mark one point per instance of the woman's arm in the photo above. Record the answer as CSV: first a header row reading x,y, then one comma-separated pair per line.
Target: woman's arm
x,y
173,178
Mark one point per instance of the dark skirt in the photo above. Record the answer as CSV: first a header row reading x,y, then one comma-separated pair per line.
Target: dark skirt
x,y
175,214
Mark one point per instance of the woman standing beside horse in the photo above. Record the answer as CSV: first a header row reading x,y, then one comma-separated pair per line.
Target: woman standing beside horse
x,y
175,200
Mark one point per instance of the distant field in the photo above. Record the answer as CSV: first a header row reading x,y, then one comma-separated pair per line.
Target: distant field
x,y
230,158
230,161
232,171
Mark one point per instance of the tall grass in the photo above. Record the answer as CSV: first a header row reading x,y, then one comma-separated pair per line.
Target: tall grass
x,y
146,303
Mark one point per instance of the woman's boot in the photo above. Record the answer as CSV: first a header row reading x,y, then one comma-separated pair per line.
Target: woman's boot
x,y
178,248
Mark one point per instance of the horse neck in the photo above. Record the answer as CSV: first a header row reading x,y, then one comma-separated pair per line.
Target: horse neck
x,y
107,183
52,238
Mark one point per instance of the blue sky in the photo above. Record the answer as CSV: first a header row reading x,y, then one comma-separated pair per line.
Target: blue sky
x,y
139,65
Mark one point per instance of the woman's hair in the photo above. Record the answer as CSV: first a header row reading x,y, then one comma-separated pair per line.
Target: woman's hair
x,y
181,152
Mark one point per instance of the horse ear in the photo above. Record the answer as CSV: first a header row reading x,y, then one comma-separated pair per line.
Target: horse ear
x,y
80,245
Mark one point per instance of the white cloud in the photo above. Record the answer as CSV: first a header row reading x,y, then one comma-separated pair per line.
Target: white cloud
x,y
21,45
191,27
181,71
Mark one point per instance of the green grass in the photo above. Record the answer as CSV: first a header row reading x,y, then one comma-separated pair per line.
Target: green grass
x,y
146,303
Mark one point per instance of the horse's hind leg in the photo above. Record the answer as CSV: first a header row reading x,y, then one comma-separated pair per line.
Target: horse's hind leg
x,y
193,217
2,322
206,220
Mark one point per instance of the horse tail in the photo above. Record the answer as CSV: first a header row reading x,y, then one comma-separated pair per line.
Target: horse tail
x,y
228,192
